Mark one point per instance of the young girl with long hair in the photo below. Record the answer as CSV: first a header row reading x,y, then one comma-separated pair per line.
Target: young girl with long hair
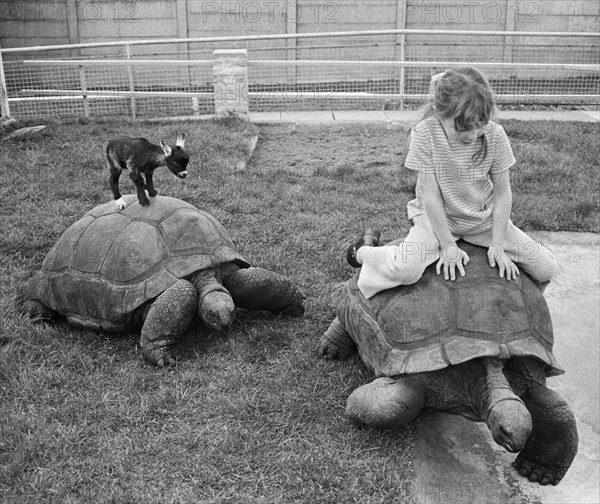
x,y
462,158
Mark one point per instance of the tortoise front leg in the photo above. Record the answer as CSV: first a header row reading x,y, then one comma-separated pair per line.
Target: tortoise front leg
x,y
552,445
261,289
336,342
36,311
386,402
168,318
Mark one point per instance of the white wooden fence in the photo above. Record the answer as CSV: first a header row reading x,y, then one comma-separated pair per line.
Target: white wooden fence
x,y
139,79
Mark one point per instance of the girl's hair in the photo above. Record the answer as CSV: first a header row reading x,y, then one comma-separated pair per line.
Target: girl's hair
x,y
463,94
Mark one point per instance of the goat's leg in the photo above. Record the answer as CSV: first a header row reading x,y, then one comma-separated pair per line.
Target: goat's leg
x,y
149,184
115,174
138,180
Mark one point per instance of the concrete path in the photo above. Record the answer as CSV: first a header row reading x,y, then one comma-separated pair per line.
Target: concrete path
x,y
574,300
398,116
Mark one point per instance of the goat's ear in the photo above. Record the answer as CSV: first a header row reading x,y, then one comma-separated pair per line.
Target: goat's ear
x,y
181,140
166,149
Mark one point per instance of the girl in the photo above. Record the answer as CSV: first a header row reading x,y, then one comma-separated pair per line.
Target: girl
x,y
463,191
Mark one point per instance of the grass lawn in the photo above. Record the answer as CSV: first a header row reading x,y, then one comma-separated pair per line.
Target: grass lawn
x,y
252,416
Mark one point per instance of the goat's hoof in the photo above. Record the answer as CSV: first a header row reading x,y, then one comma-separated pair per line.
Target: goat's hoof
x,y
145,202
120,203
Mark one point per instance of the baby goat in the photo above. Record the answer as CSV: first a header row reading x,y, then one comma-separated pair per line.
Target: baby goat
x,y
140,157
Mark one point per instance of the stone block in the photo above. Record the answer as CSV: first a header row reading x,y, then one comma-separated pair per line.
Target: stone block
x,y
230,79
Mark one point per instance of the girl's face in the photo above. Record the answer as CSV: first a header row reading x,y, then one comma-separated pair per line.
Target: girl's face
x,y
469,136
465,136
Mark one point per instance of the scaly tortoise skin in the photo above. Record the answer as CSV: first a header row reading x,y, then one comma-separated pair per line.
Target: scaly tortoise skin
x,y
480,347
152,269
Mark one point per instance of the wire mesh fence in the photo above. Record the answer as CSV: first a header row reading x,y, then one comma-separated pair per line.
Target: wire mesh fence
x,y
344,70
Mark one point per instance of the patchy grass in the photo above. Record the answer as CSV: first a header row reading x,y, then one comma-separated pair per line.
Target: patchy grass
x,y
555,181
252,416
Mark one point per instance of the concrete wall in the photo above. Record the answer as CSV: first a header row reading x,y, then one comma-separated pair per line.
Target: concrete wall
x,y
47,22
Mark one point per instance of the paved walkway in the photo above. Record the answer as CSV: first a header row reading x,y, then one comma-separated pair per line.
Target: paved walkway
x,y
397,116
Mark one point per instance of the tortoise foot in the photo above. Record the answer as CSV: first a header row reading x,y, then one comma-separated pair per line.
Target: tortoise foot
x,y
336,342
538,473
37,312
159,356
553,443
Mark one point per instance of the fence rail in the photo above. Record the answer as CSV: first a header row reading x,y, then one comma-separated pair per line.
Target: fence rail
x,y
298,36
377,69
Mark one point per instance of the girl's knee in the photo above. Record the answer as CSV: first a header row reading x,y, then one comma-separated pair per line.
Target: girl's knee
x,y
535,259
543,270
549,270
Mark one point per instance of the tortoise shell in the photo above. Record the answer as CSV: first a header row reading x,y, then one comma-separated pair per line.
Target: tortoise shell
x,y
111,261
435,323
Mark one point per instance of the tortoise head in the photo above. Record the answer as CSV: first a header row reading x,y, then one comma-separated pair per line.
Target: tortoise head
x,y
510,423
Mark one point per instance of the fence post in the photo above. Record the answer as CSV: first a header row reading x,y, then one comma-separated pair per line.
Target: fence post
x,y
86,103
131,81
230,81
4,107
401,19
73,25
291,28
402,69
182,33
509,42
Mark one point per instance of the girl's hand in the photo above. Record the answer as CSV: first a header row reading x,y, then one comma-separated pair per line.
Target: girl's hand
x,y
452,257
497,256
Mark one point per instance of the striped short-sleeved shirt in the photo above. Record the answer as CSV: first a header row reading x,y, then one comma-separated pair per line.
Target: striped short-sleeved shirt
x,y
465,184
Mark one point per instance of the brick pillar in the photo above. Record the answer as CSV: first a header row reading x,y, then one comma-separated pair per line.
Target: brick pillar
x,y
230,78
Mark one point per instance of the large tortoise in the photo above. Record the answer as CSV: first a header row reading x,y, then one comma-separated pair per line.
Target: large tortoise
x,y
480,347
152,268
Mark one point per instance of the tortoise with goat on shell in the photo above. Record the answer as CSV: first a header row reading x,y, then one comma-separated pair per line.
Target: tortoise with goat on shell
x,y
479,346
152,269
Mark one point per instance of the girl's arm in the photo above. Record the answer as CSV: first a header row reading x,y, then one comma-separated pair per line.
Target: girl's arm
x,y
451,256
502,201
434,207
